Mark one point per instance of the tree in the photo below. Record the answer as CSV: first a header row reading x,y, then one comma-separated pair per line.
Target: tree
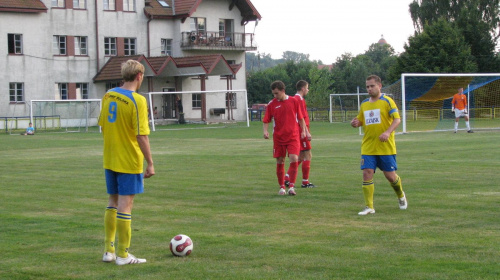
x,y
439,48
260,61
350,72
295,56
320,87
383,57
477,20
259,84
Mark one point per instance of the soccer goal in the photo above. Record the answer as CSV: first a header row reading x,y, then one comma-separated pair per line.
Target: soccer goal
x,y
65,115
198,107
345,106
424,101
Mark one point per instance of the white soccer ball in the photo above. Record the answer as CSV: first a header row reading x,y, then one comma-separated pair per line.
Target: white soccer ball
x,y
181,245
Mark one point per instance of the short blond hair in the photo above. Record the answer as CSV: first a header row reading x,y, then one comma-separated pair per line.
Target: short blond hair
x,y
130,69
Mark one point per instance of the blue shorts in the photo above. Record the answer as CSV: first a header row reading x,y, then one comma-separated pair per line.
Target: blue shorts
x,y
123,183
384,163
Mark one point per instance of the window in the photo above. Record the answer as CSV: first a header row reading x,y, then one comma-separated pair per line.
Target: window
x,y
80,45
110,85
163,3
129,5
109,46
62,89
109,5
16,92
57,3
15,43
166,47
198,25
59,45
231,99
82,90
79,4
129,46
226,29
196,103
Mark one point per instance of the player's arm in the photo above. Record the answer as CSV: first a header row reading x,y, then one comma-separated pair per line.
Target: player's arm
x,y
308,134
143,141
356,122
265,127
385,136
303,128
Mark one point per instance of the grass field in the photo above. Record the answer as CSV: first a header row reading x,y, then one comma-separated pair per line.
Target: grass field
x,y
219,187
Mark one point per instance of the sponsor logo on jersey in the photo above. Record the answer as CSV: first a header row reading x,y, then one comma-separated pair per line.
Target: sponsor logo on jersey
x,y
372,117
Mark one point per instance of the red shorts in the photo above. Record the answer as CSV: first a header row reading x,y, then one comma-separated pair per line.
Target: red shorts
x,y
305,145
279,150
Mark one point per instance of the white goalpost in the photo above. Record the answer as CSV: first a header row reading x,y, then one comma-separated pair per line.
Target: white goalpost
x,y
204,107
424,101
428,96
345,106
66,115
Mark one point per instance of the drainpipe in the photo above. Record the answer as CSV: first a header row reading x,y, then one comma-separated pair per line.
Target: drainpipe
x,y
97,37
149,43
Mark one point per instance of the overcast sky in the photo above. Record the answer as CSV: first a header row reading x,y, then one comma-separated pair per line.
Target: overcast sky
x,y
326,29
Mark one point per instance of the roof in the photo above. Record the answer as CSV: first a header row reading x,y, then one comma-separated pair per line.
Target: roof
x,y
23,6
322,66
185,8
111,71
167,66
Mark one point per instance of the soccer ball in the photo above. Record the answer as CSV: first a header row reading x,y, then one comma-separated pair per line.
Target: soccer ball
x,y
181,245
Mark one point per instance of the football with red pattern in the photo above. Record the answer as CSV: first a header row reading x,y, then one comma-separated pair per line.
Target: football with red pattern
x,y
181,245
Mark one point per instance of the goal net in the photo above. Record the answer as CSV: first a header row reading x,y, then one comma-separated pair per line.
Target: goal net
x,y
226,107
424,101
65,115
345,106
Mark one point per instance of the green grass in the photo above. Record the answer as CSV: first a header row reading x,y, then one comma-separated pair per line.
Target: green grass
x,y
219,187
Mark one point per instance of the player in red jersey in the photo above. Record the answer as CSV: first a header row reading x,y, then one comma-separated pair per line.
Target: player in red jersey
x,y
305,155
286,113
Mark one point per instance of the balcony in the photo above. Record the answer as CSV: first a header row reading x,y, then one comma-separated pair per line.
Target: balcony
x,y
218,41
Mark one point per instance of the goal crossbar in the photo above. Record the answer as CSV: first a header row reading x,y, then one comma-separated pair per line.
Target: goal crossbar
x,y
151,109
404,77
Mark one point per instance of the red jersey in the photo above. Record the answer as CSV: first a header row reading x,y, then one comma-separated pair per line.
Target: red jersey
x,y
459,101
303,106
286,115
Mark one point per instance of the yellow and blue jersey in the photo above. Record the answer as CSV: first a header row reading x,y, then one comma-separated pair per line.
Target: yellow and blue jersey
x,y
376,118
124,115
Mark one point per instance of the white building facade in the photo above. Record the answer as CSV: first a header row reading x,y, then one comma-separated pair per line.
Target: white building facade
x,y
70,49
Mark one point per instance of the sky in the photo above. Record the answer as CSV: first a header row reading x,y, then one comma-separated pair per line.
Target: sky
x,y
326,29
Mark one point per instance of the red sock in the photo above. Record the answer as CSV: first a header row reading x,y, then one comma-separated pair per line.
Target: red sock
x,y
287,176
280,173
306,167
294,166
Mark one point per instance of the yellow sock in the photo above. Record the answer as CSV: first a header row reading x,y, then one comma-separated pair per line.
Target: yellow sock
x,y
368,190
109,229
398,187
124,232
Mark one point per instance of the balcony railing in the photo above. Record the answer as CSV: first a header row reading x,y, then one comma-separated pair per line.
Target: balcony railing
x,y
218,40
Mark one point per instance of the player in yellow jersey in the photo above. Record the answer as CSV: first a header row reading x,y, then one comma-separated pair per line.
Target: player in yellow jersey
x,y
125,129
459,107
379,117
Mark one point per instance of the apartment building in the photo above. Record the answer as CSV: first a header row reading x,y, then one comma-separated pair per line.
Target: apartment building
x,y
72,49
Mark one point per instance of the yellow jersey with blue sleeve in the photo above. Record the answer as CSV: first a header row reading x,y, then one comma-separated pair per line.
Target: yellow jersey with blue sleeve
x,y
124,115
376,118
